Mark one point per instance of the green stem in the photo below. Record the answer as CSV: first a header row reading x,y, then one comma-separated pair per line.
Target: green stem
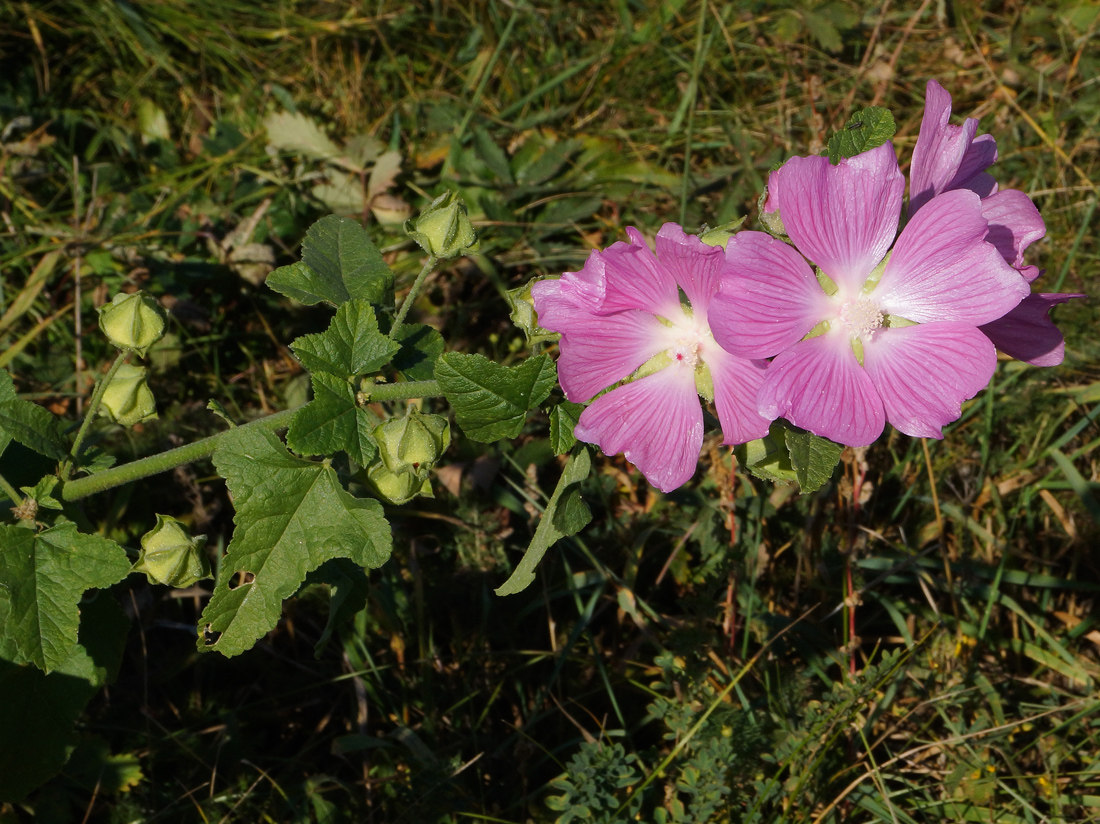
x,y
10,491
89,415
402,391
162,462
407,303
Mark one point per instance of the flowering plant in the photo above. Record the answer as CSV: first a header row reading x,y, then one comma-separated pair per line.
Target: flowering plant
x,y
834,320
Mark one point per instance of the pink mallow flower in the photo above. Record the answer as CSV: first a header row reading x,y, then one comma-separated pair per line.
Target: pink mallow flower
x,y
947,158
621,316
885,334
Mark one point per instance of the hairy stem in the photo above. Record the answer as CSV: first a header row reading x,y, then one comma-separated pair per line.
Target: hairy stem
x,y
403,391
10,491
162,462
93,409
407,303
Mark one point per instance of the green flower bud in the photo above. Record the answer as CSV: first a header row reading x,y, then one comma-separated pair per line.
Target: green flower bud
x,y
524,316
132,321
771,221
444,229
412,444
169,555
128,399
397,487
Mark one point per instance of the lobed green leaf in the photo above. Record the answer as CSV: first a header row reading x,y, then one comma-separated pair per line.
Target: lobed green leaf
x,y
490,400
339,263
421,347
332,422
351,346
292,516
43,576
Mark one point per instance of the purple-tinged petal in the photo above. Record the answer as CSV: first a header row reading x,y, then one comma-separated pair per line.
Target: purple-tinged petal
x,y
844,217
1027,333
737,382
819,385
769,298
942,269
635,279
596,350
695,265
923,373
656,422
980,154
1014,224
771,203
946,157
982,184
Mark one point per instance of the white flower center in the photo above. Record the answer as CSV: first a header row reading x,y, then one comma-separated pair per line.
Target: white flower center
x,y
686,350
860,317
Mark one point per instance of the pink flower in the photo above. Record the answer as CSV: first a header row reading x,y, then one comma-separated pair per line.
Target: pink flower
x,y
887,334
623,311
950,157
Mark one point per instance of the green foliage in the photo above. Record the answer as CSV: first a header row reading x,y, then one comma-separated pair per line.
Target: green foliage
x,y
598,779
566,514
28,423
350,347
333,421
563,419
813,458
339,263
421,347
865,130
42,577
38,710
490,400
292,516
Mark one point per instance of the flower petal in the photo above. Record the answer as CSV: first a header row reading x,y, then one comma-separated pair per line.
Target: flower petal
x,y
769,299
942,269
946,157
1014,224
1027,333
596,350
844,217
819,385
923,373
656,422
695,265
737,382
635,279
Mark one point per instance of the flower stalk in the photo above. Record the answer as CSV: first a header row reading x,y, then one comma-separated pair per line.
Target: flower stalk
x,y
90,414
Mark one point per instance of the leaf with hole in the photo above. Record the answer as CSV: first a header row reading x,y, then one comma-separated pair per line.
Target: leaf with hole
x,y
292,516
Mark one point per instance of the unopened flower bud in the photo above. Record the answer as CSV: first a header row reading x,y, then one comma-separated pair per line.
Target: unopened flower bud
x,y
444,228
768,206
414,443
397,487
169,555
523,314
128,399
132,321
